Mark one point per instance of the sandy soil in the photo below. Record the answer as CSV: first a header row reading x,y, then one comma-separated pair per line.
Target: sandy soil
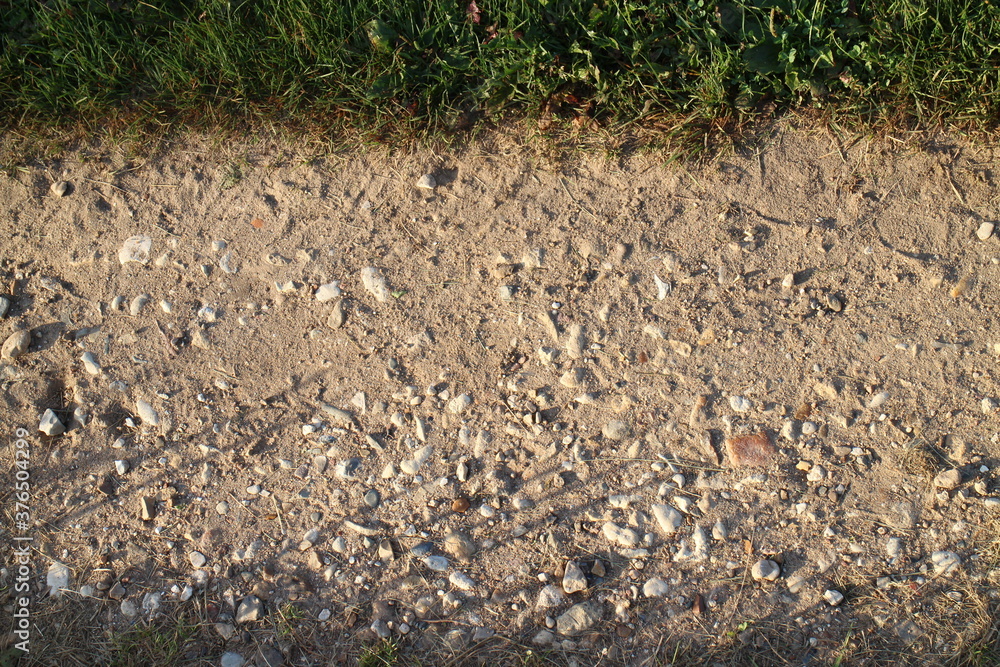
x,y
615,325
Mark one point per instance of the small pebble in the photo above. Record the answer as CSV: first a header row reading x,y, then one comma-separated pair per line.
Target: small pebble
x,y
833,597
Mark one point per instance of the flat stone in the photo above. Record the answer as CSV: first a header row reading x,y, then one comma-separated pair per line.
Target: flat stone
x,y
436,563
128,609
146,413
985,230
543,638
833,597
348,469
269,656
548,597
578,619
226,631
50,424
231,659
908,631
461,581
460,546
117,591
574,580
422,549
946,563
625,537
459,404
57,579
740,404
655,588
574,378
427,182
668,518
90,363
616,430
948,479
197,559
372,498
135,249
750,450
381,629
328,292
148,508
411,466
250,609
338,315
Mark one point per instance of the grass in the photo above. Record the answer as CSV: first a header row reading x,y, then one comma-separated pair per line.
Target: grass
x,y
160,642
404,69
383,654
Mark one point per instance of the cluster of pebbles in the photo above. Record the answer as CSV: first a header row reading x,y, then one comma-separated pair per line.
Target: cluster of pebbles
x,y
593,432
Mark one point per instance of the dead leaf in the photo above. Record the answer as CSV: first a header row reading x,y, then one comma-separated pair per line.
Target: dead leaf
x,y
475,14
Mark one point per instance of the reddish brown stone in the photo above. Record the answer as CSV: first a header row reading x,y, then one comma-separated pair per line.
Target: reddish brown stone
x,y
750,450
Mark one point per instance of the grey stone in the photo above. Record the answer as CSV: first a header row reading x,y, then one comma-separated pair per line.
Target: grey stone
x,y
948,479
574,580
250,609
550,596
269,656
578,618
50,424
57,579
348,469
833,597
616,430
459,404
625,537
765,570
90,363
422,549
668,518
461,581
381,629
436,563
15,345
945,563
655,588
459,545
146,413
231,659
226,630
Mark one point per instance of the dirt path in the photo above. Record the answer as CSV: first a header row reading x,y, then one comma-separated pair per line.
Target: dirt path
x,y
522,431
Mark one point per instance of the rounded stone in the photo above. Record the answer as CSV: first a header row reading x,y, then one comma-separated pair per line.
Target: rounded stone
x,y
765,569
